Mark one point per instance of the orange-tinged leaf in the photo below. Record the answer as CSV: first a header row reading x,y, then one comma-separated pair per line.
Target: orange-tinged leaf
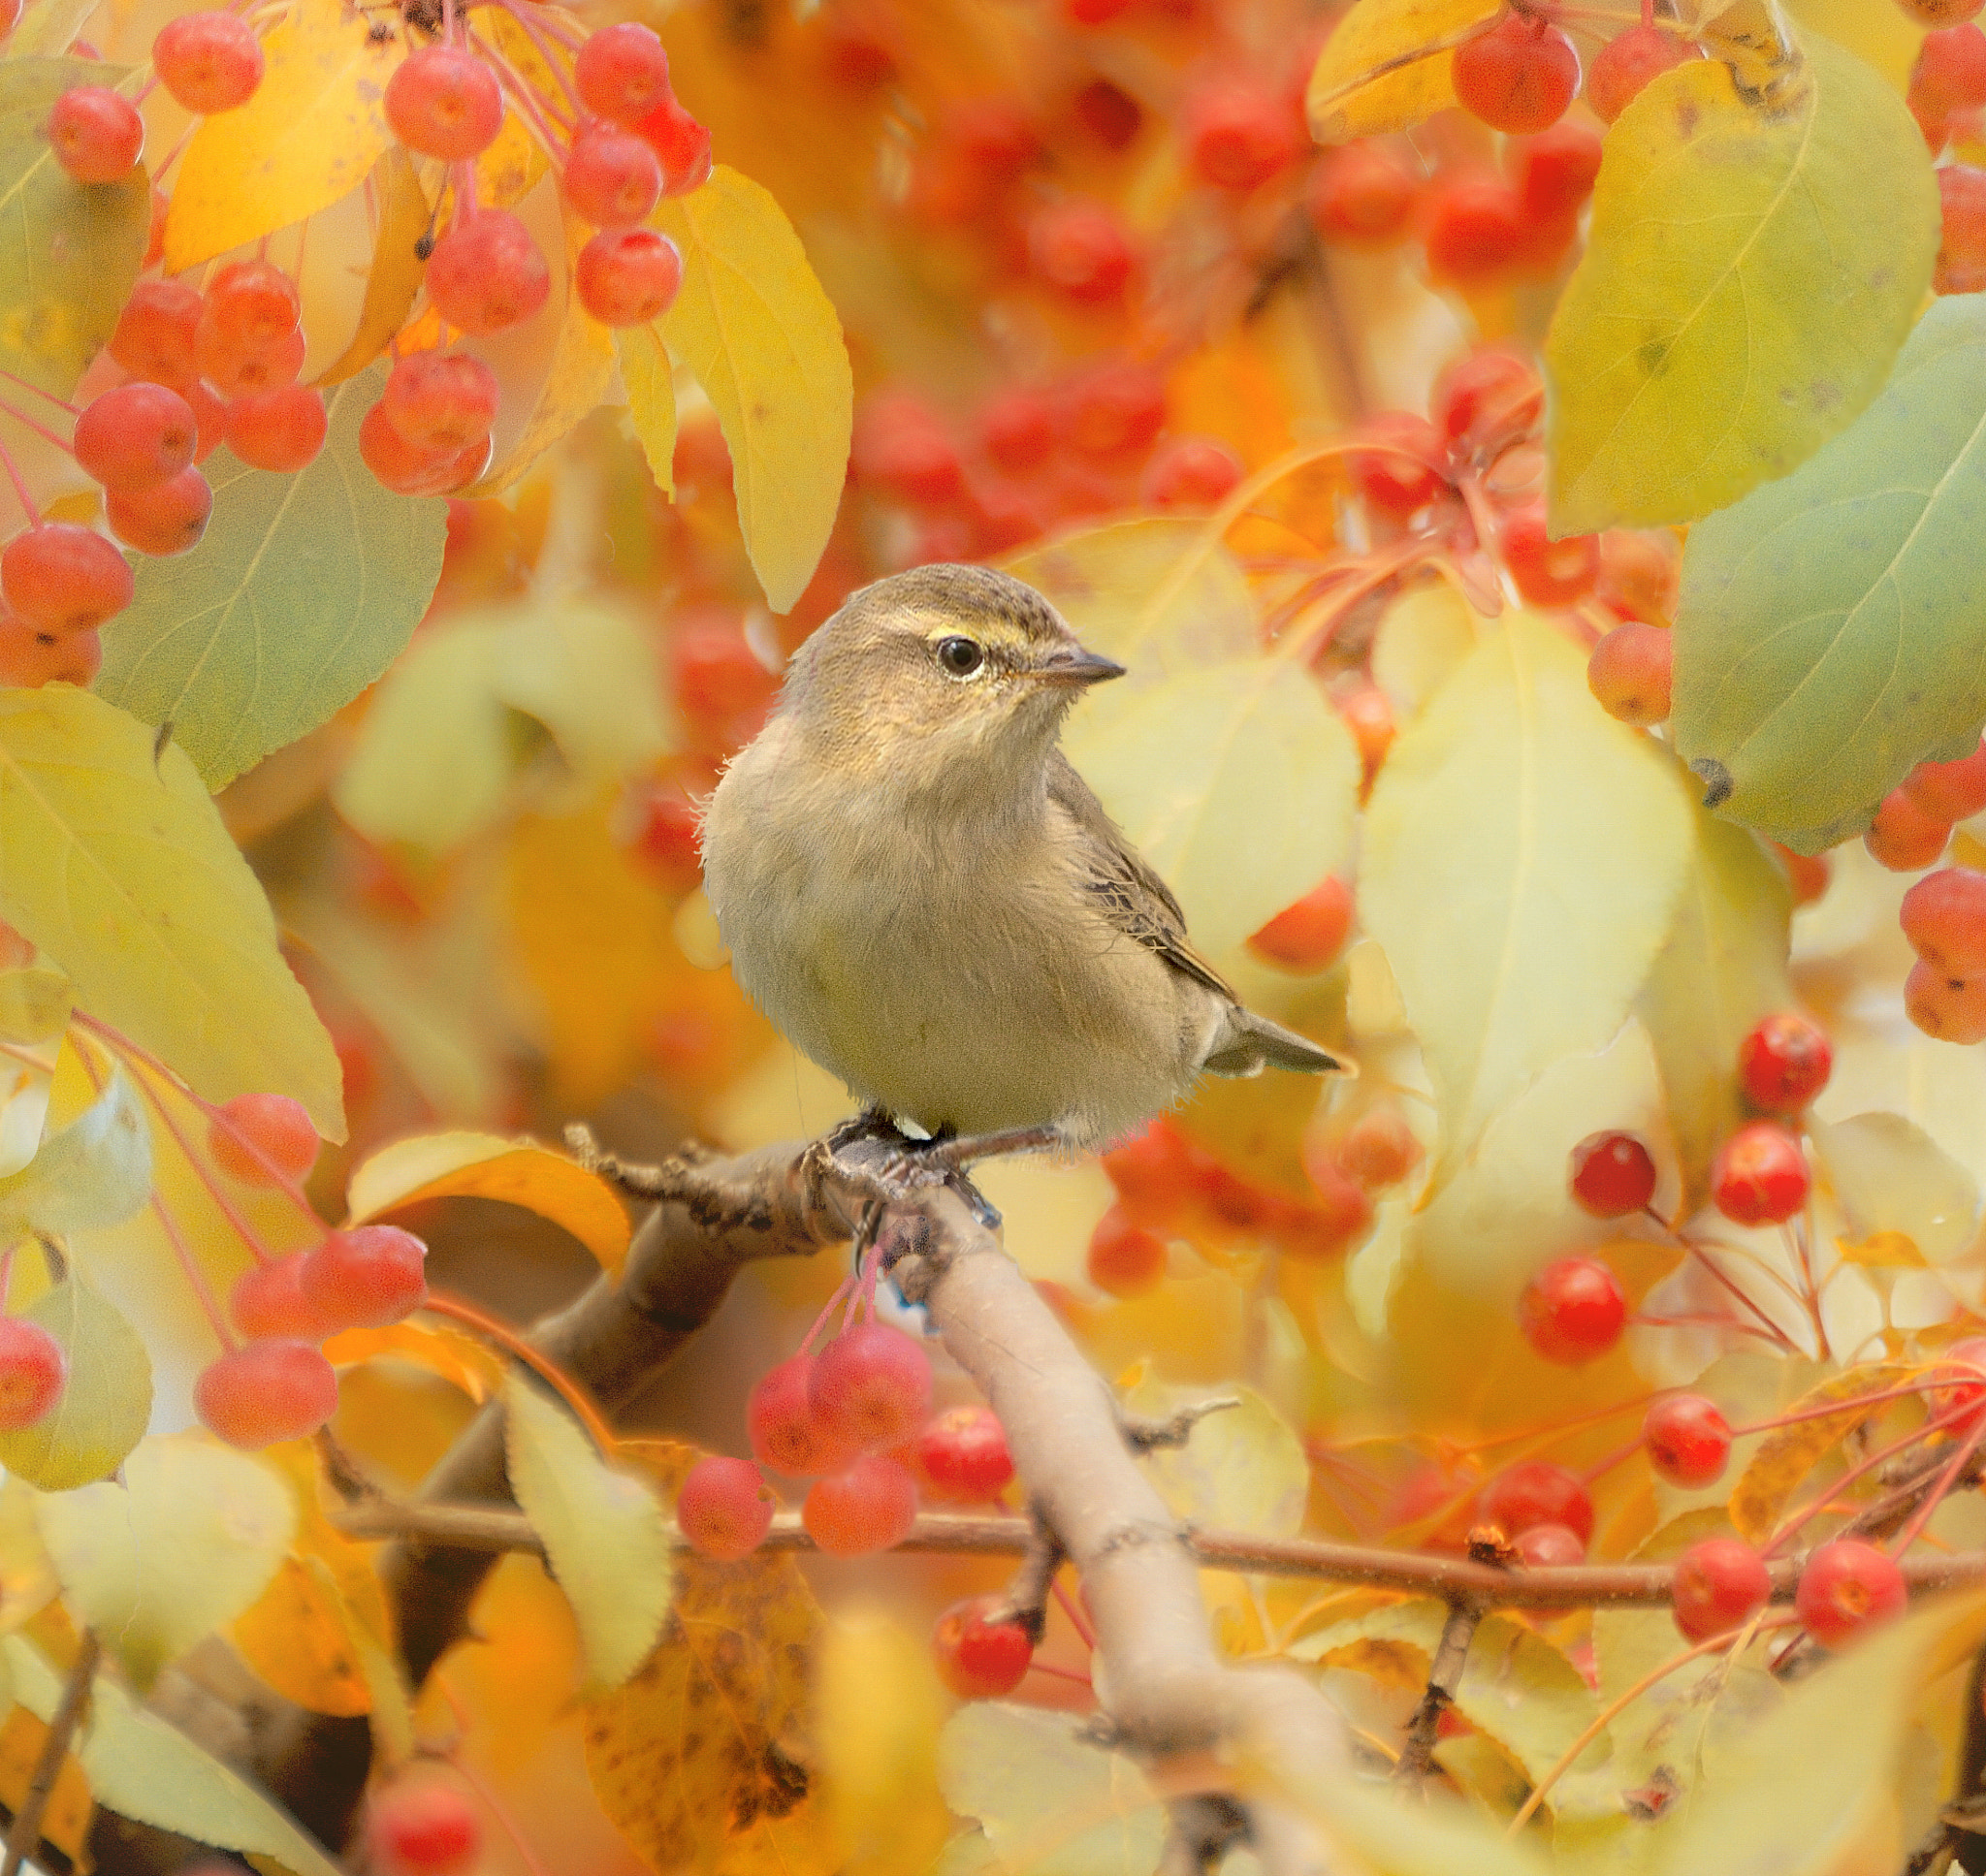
x,y
881,1712
1387,66
459,1358
1882,1251
295,1636
696,1759
487,1165
1787,1455
394,282
313,129
66,1821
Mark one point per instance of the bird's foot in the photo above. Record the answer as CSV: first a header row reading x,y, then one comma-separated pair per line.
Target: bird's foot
x,y
886,1164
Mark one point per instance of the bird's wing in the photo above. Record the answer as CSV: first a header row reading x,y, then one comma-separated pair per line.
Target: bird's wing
x,y
1127,891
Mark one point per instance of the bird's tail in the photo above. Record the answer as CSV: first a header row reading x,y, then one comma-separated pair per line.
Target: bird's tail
x,y
1249,1043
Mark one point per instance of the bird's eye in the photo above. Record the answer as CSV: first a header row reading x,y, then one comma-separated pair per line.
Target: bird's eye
x,y
961,656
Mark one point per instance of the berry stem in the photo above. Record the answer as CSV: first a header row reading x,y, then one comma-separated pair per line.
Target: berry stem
x,y
827,1308
1061,1674
1068,1606
1774,1340
553,29
1703,1257
27,384
42,430
1837,1407
556,66
1797,1243
459,1309
534,108
1312,640
1934,1497
20,494
1837,1486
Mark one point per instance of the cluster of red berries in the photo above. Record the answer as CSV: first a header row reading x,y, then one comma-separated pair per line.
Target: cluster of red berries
x,y
1846,1587
1944,915
276,1383
1946,96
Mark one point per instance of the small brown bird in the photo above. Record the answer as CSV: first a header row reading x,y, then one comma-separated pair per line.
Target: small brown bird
x,y
925,896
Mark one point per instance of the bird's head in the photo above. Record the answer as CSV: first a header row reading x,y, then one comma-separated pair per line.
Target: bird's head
x,y
942,674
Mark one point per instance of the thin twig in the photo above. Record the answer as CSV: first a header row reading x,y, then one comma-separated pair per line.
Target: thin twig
x,y
25,1837
1444,1675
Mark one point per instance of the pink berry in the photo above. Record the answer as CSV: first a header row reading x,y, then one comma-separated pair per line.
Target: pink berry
x,y
209,61
265,1391
869,1506
623,73
1518,74
1537,1492
267,1300
281,431
871,1387
444,102
613,178
723,1508
788,1434
488,274
366,1276
62,577
263,1139
136,436
627,276
97,134
440,401
32,1371
1549,1545
1944,915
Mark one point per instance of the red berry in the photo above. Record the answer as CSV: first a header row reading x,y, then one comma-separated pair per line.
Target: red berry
x,y
97,134
723,1508
249,306
902,448
1688,1440
869,1506
1518,74
1362,195
168,518
136,436
1556,170
444,102
1114,410
627,276
487,275
280,430
1719,1585
409,471
1807,874
1125,1258
1949,791
1379,1149
1239,133
1760,1176
1953,1009
1307,935
1475,228
1190,473
1153,1173
32,1371
718,684
154,334
668,840
1612,1174
265,1391
1944,915
30,658
1968,1360
1485,400
1903,837
787,1434
62,577
1627,62
1537,1492
263,1139
1962,250
1019,430
366,1276
871,1387
621,73
209,61
1549,1545
1639,572
267,1300
1783,1063
1632,671
1949,77
1402,470
1573,1311
1081,250
682,146
963,1456
441,401
423,1829
612,177
1548,572
976,1659
1846,1587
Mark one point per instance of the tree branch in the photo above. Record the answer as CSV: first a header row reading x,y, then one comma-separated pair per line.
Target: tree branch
x,y
1444,1675
25,1837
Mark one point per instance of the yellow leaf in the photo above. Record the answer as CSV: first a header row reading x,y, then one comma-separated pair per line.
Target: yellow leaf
x,y
1685,373
1386,66
1421,637
605,1537
313,129
115,862
881,1708
1882,1251
1517,813
1894,1182
35,1004
438,1347
394,281
47,28
486,1166
695,1759
1786,1455
516,162
1244,1469
651,385
764,341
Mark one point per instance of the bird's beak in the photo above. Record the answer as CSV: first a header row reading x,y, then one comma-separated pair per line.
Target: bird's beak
x,y
1072,665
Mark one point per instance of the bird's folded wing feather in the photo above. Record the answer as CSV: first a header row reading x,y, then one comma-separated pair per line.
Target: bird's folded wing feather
x,y
1126,890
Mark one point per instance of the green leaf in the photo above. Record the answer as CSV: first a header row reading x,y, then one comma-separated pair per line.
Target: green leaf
x,y
1048,1801
1243,1468
1722,967
605,1537
1237,783
1737,302
1828,634
115,862
106,1402
649,381
764,341
70,250
1396,1832
46,28
304,588
184,1544
1889,1175
589,673
1523,854
35,1004
95,1172
146,1771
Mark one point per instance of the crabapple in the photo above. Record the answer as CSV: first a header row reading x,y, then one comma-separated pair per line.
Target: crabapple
x,y
1689,1440
1846,1587
1612,1174
1573,1311
977,1659
1719,1584
723,1507
870,1506
263,1139
265,1391
1783,1063
1760,1175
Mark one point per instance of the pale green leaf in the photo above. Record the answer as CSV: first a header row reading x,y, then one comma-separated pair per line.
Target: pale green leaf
x,y
1738,303
146,1771
304,588
47,28
649,381
1242,1469
1048,1802
1889,1175
184,1544
1393,1832
753,326
95,1172
115,862
70,251
1423,635
1522,855
1237,783
1722,967
590,674
605,1537
1900,1068
106,1402
35,1004
1828,634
